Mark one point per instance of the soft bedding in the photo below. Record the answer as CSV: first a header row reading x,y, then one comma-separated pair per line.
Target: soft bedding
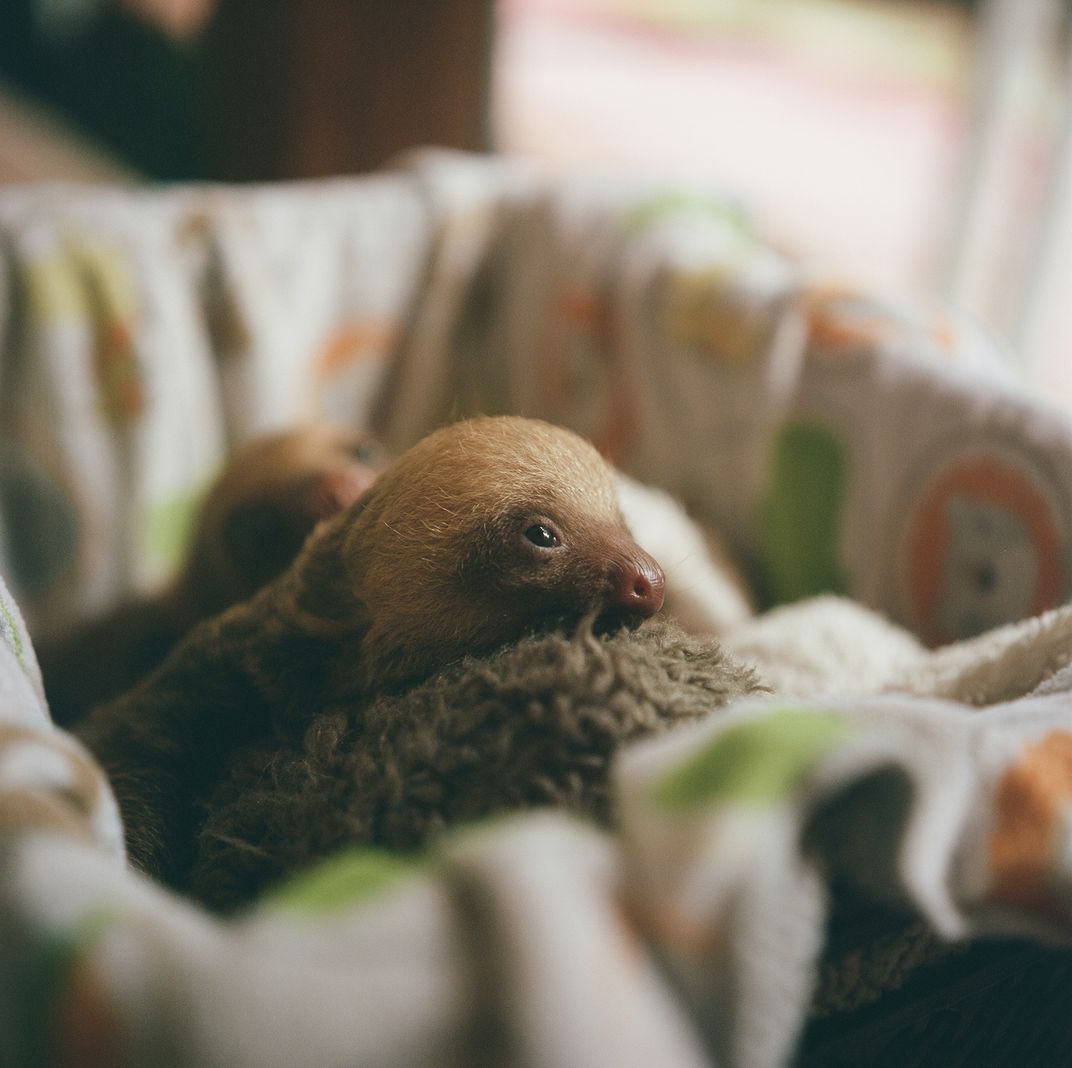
x,y
918,761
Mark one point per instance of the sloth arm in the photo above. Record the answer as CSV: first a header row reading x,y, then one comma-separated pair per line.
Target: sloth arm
x,y
164,743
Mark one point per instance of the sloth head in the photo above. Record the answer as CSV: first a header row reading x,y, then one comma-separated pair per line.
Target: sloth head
x,y
483,532
265,503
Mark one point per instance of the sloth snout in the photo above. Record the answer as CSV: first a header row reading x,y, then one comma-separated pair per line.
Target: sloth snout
x,y
637,586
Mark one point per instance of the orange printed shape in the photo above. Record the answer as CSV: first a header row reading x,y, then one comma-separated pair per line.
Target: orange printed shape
x,y
353,344
583,309
122,391
840,318
87,1023
115,307
984,548
578,359
578,313
1029,804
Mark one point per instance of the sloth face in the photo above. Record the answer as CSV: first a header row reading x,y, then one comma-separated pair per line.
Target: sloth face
x,y
488,530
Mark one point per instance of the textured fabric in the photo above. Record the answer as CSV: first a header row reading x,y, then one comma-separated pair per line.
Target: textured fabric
x,y
534,725
48,782
530,937
21,694
843,442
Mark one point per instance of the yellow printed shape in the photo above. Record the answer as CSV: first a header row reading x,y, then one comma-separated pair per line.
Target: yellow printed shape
x,y
53,289
87,281
708,311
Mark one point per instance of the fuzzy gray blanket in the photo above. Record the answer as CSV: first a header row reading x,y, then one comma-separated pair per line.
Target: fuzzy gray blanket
x,y
534,724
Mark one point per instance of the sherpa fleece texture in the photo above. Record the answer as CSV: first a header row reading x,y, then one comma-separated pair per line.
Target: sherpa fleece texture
x,y
535,724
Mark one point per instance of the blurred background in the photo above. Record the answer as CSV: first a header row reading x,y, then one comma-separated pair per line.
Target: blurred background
x,y
915,146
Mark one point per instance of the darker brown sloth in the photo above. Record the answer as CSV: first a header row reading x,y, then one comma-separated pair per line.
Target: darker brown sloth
x,y
483,533
253,521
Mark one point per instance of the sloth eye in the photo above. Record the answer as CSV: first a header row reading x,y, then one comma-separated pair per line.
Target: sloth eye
x,y
541,536
369,452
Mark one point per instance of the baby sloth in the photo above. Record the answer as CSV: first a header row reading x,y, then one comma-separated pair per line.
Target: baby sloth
x,y
483,532
253,521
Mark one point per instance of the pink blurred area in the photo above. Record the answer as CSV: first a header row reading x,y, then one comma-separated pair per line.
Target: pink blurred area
x,y
840,124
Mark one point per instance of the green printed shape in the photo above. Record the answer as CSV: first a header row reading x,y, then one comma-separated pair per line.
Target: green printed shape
x,y
12,634
674,202
347,879
168,528
801,516
168,525
759,762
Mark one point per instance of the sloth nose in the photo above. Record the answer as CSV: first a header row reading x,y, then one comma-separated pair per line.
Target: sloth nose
x,y
335,491
637,586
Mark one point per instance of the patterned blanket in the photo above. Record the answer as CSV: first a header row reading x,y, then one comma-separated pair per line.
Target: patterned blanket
x,y
869,448
691,936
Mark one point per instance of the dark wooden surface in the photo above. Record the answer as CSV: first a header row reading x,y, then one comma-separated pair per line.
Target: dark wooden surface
x,y
306,88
